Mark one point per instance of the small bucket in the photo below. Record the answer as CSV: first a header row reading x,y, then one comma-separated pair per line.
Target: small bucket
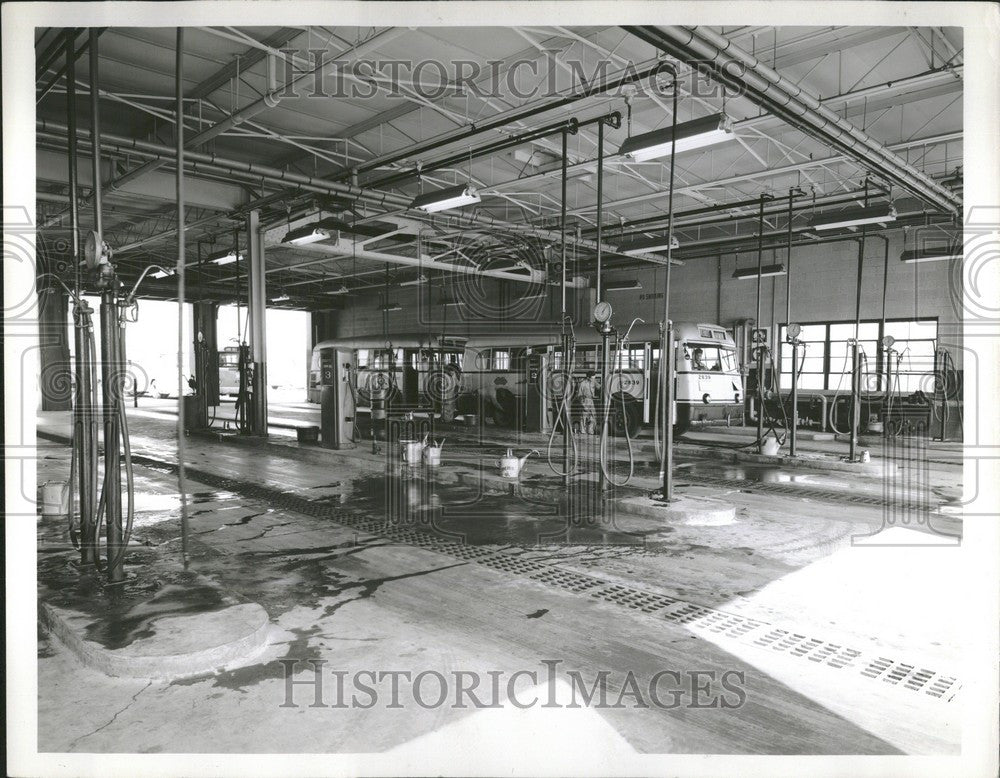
x,y
55,498
410,452
866,456
471,420
771,447
432,456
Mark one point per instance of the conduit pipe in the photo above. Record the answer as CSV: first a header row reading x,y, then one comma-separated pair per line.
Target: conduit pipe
x,y
203,161
740,70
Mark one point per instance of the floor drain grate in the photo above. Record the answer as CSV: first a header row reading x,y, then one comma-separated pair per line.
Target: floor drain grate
x,y
698,618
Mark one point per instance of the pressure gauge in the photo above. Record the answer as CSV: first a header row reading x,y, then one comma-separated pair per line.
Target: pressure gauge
x,y
602,312
793,330
888,341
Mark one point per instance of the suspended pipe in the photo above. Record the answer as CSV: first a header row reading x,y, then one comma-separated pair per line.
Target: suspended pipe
x,y
181,268
667,341
197,161
740,70
95,131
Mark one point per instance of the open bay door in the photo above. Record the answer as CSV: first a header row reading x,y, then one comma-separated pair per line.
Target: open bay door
x,y
337,369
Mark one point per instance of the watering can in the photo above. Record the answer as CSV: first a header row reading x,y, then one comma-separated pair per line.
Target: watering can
x,y
510,464
412,451
432,453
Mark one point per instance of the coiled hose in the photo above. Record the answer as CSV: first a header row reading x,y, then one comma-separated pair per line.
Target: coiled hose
x,y
603,452
564,414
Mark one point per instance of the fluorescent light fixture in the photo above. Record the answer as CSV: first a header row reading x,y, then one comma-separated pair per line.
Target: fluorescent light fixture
x,y
647,245
448,303
303,235
280,298
931,254
694,134
223,257
162,273
855,217
339,290
765,270
392,307
622,286
445,199
421,279
535,295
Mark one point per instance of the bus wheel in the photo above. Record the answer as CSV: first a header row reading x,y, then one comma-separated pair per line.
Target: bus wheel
x,y
631,420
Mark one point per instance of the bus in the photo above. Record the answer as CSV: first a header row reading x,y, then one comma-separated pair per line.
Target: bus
x,y
503,375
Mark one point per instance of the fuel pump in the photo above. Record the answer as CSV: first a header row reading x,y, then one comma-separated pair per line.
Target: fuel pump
x,y
337,406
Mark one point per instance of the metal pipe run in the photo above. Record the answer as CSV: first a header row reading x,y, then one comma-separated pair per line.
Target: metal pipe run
x,y
667,341
794,341
112,389
181,270
758,332
567,419
197,161
95,131
730,65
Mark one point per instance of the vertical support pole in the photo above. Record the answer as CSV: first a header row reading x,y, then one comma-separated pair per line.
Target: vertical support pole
x,y
600,203
258,327
795,341
759,352
943,384
856,355
85,429
111,391
95,130
564,406
667,343
181,281
74,208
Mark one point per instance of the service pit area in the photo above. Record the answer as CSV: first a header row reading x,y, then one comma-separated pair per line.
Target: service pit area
x,y
616,414
364,564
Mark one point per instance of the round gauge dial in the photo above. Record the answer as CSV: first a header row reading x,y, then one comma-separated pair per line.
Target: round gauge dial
x,y
888,341
794,330
602,312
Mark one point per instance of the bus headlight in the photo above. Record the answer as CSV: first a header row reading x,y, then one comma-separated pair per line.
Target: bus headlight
x,y
706,398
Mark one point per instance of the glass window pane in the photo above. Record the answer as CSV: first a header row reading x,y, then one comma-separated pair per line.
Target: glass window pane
x,y
810,381
814,332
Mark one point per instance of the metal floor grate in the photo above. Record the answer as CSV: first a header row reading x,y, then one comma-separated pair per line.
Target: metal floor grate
x,y
697,618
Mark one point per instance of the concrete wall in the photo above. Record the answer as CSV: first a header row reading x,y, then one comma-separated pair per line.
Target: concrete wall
x,y
822,288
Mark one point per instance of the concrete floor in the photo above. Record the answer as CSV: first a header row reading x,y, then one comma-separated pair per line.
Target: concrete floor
x,y
775,596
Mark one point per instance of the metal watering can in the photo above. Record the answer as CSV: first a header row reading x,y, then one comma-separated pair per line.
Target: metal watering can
x,y
411,451
432,453
510,465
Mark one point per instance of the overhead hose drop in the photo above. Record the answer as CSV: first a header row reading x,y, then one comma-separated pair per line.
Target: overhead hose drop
x,y
564,414
661,395
621,345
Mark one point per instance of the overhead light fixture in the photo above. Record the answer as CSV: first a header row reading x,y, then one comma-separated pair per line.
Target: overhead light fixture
x,y
421,279
392,307
939,254
535,295
339,290
694,134
855,217
449,303
445,199
281,298
163,273
300,236
766,270
224,257
647,245
622,286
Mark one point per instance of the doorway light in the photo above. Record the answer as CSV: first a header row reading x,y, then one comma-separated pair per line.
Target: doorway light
x,y
939,254
622,286
637,246
695,134
765,270
445,199
855,217
300,236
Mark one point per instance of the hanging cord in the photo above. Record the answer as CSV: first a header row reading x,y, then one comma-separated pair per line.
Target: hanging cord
x,y
658,408
771,421
563,415
621,346
836,395
127,456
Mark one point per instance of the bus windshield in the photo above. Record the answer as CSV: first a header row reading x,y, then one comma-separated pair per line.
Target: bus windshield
x,y
711,359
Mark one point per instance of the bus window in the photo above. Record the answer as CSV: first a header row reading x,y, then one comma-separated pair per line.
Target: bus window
x,y
712,359
363,357
501,359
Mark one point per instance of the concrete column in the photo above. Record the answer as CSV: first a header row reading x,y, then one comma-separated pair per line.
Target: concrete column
x,y
56,372
257,311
